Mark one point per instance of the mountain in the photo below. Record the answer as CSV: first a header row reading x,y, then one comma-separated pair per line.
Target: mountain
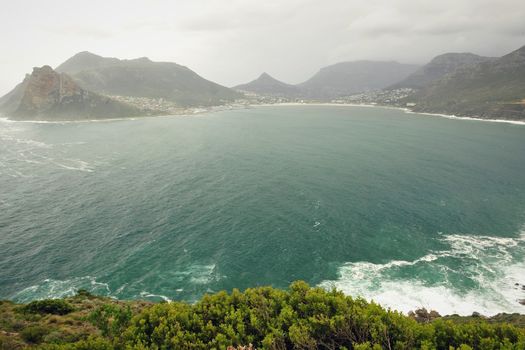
x,y
267,85
85,61
438,67
348,78
48,95
142,77
490,89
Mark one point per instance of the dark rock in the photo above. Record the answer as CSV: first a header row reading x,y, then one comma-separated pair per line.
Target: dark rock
x,y
423,315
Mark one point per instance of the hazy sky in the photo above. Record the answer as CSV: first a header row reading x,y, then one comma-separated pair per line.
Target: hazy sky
x,y
233,41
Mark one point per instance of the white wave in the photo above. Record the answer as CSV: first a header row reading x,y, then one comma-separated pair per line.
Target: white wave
x,y
451,116
144,294
54,289
492,262
202,274
76,164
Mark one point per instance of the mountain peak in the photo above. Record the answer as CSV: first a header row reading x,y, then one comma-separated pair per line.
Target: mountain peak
x,y
86,54
265,84
84,60
265,75
44,69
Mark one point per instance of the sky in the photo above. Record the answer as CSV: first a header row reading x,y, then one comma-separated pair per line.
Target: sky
x,y
234,41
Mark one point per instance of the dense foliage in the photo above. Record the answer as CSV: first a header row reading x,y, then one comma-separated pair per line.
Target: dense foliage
x,y
268,318
49,306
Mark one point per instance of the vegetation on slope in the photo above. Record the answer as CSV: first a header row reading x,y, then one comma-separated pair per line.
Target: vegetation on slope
x,y
490,89
142,77
262,318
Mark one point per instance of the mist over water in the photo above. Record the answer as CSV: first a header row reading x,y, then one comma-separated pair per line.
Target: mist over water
x,y
405,209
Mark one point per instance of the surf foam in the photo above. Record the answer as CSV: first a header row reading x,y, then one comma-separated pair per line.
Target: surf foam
x,y
488,278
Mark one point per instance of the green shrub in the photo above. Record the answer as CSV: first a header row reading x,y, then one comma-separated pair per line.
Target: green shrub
x,y
49,306
111,319
33,334
298,318
304,318
83,293
92,343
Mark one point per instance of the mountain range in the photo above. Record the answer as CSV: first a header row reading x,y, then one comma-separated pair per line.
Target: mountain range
x,y
334,81
142,77
438,67
346,78
92,86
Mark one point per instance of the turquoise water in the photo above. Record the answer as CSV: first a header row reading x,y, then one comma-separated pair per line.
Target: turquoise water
x,y
405,209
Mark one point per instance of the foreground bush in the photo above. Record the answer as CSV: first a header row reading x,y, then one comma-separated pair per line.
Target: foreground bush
x,y
260,318
48,306
303,318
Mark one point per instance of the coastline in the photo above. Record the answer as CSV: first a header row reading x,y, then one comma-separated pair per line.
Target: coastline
x,y
205,110
406,110
88,321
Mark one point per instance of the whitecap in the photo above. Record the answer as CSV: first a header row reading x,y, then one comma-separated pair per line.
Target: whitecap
x,y
145,294
495,264
53,289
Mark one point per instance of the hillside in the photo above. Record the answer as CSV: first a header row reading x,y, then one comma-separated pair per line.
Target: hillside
x,y
438,67
267,85
260,318
142,77
490,89
348,78
48,95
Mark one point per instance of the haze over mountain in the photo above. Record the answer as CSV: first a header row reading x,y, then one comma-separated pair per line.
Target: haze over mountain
x,y
48,95
438,67
267,85
142,77
347,78
490,89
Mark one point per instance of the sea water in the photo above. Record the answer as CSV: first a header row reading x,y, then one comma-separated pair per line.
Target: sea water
x,y
405,209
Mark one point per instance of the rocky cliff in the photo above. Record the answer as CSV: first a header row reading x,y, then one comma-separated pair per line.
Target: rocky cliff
x,y
48,95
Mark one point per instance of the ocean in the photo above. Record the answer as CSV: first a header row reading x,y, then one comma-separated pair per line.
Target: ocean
x,y
405,209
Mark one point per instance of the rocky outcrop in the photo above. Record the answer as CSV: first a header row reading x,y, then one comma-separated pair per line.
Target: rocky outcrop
x,y
46,94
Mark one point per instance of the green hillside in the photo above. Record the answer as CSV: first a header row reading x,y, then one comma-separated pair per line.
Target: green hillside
x,y
492,89
144,78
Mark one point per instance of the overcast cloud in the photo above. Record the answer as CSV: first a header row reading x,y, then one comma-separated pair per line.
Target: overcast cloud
x,y
233,41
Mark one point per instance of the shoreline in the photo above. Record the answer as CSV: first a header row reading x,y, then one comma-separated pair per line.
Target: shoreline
x,y
205,110
153,298
404,109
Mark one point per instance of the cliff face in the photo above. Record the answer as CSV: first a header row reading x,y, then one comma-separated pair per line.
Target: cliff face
x,y
46,94
47,89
